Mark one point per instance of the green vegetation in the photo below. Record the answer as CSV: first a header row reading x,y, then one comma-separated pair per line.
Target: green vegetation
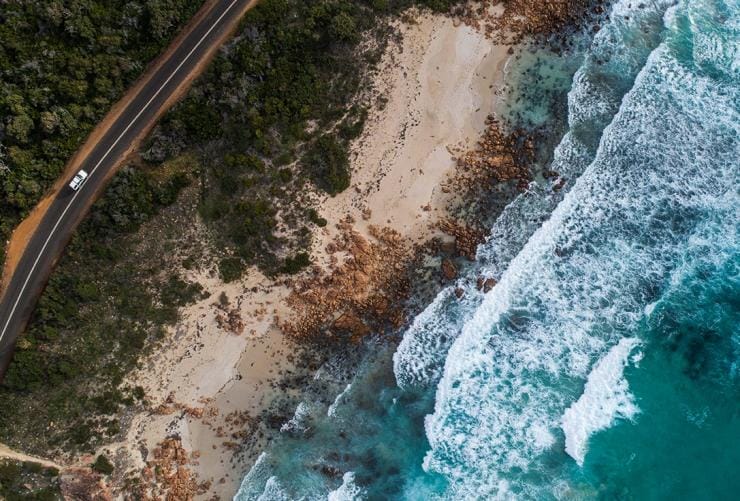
x,y
272,117
314,217
352,126
103,465
294,264
328,164
28,481
62,66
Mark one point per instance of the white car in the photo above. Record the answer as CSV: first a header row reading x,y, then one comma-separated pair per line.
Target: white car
x,y
78,180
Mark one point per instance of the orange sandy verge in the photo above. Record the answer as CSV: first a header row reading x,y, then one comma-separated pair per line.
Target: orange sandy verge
x,y
25,230
21,236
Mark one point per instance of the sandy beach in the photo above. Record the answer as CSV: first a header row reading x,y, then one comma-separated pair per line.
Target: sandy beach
x,y
438,86
218,369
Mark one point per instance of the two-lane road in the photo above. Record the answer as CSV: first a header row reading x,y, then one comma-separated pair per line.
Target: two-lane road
x,y
157,91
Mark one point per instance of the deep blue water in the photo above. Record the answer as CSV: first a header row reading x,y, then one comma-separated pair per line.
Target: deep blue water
x,y
604,364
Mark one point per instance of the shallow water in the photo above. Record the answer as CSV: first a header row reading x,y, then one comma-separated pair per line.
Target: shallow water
x,y
604,364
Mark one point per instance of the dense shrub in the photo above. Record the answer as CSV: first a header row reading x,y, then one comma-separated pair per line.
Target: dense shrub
x,y
296,263
230,269
28,481
62,65
328,164
103,465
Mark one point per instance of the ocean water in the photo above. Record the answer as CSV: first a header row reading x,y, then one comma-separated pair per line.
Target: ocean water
x,y
604,364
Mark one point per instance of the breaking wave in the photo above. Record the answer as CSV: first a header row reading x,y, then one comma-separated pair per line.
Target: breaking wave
x,y
605,398
607,73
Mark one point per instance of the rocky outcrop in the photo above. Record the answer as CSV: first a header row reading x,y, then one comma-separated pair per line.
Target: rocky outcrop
x,y
167,476
467,238
362,291
230,320
500,156
517,19
84,483
485,284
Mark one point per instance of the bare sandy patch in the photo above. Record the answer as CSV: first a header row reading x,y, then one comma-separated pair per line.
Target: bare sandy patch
x,y
8,453
210,379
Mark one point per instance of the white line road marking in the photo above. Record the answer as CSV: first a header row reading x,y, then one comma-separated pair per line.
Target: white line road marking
x,y
51,233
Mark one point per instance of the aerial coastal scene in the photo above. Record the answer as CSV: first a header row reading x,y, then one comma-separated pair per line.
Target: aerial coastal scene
x,y
369,249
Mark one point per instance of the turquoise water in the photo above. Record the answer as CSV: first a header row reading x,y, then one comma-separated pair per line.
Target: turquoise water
x,y
684,442
604,364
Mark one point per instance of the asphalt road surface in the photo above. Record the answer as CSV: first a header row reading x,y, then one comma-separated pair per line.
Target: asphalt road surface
x,y
69,207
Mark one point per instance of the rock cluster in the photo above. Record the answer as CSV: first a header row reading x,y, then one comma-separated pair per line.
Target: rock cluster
x,y
361,292
485,284
449,270
167,476
170,405
516,19
83,483
467,238
230,320
499,157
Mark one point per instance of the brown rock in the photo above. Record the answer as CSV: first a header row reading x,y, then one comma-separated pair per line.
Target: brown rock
x,y
361,279
195,412
83,483
447,246
449,270
351,323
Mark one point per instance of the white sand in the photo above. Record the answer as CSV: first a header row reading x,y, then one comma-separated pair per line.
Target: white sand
x,y
202,366
439,84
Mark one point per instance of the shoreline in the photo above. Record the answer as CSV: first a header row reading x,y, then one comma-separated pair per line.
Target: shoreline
x,y
212,385
441,89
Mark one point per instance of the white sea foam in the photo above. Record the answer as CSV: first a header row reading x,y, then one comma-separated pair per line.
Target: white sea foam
x,y
605,398
332,410
348,491
273,491
254,483
298,423
582,281
650,308
420,355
